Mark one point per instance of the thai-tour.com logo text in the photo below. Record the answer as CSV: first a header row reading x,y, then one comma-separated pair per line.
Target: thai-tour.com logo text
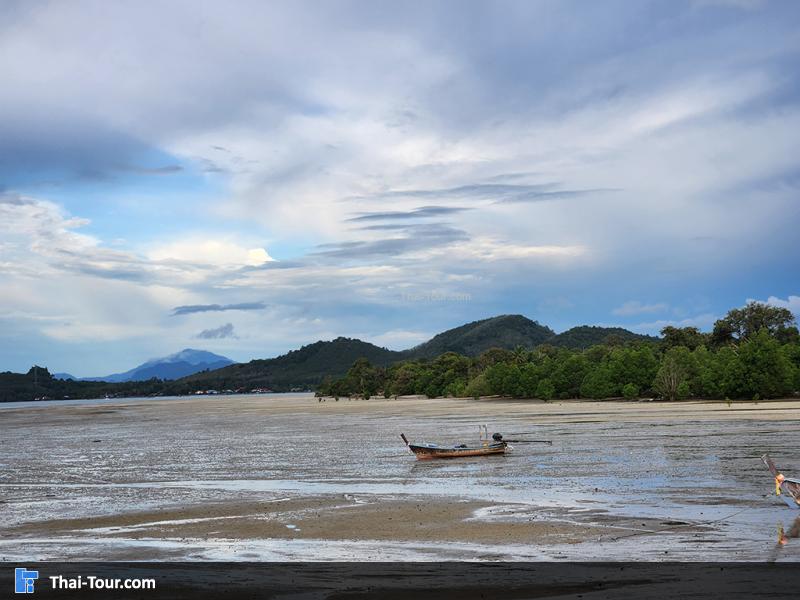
x,y
24,582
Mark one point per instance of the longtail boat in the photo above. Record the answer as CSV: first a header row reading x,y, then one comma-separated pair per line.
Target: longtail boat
x,y
485,447
785,487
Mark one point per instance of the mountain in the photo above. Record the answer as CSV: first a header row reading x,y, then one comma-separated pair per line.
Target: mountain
x,y
175,366
584,336
309,365
65,376
504,331
305,367
193,370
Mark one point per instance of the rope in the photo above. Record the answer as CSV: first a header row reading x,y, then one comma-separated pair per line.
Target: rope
x,y
670,527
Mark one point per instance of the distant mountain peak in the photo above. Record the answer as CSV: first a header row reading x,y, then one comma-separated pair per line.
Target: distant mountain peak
x,y
174,366
189,355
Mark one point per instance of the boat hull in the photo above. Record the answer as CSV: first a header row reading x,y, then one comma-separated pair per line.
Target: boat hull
x,y
431,451
790,489
787,488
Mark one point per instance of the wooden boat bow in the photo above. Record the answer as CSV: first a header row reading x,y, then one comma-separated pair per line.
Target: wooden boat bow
x,y
786,487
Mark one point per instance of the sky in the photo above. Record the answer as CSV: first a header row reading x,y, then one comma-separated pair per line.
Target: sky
x,y
247,177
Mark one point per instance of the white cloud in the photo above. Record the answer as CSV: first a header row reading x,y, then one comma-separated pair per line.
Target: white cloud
x,y
680,127
791,302
634,307
493,249
702,322
210,252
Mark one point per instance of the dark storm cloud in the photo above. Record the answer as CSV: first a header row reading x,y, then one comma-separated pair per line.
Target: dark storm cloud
x,y
198,308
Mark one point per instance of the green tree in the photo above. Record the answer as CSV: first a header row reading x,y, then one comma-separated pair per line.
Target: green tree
x,y
690,337
512,385
792,354
630,391
709,374
766,371
545,390
364,379
521,355
670,379
403,379
528,380
743,323
477,387
686,361
730,372
450,373
493,356
568,375
599,383
495,374
637,365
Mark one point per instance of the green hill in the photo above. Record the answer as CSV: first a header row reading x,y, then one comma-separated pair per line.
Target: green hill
x,y
584,336
301,368
306,367
504,331
39,383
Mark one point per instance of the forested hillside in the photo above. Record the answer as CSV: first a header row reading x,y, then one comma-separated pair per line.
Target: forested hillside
x,y
752,353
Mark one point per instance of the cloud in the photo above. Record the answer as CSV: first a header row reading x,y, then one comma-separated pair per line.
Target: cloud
x,y
634,307
198,308
210,252
600,152
494,192
163,170
218,333
479,191
702,322
43,239
791,302
555,195
417,213
418,239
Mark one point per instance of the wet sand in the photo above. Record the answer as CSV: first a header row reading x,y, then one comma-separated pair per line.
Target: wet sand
x,y
277,478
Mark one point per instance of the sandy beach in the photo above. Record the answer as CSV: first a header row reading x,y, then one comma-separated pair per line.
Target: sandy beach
x,y
289,477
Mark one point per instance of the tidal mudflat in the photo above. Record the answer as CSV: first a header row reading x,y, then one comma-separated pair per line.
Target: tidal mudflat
x,y
288,477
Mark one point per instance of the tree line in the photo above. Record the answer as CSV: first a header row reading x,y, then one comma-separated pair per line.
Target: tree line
x,y
752,353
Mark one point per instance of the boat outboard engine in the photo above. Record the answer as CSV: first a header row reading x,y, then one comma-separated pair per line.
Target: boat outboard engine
x,y
497,437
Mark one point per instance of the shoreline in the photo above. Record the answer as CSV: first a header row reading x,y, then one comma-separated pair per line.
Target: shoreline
x,y
310,394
